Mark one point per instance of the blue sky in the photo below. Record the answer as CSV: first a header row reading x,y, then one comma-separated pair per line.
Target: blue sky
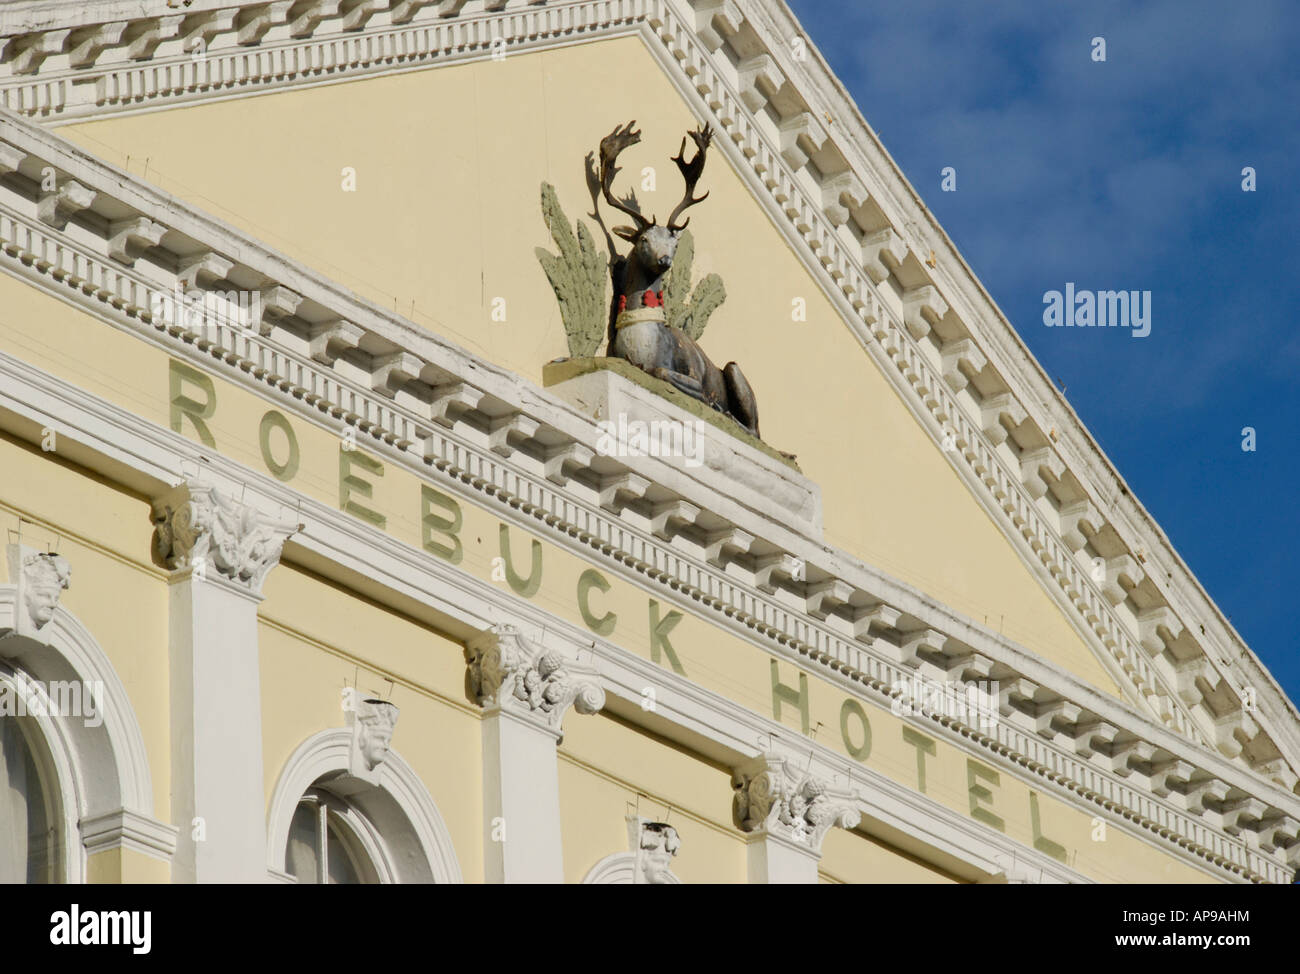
x,y
1127,174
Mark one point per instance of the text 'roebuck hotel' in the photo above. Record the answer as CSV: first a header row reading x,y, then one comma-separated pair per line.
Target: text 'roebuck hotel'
x,y
376,511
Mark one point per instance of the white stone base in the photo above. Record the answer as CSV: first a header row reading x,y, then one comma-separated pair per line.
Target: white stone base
x,y
723,466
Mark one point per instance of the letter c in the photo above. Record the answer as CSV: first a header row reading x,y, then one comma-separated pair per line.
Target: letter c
x,y
586,582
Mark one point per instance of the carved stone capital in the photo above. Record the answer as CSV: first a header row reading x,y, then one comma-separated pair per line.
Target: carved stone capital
x,y
776,799
40,578
199,528
507,672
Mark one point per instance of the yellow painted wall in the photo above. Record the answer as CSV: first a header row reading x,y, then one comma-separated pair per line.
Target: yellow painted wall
x,y
445,218
851,857
316,638
609,769
116,866
116,592
313,638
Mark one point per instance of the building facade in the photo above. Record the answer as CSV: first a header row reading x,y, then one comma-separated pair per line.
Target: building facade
x,y
338,552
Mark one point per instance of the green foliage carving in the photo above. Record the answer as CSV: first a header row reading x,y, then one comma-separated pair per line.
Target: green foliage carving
x,y
693,315
578,275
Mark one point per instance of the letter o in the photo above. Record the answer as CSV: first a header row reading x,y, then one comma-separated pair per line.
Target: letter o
x,y
859,752
281,471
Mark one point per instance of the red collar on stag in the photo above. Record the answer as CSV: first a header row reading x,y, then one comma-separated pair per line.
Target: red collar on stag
x,y
650,299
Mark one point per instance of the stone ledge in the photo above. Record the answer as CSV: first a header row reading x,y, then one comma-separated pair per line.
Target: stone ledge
x,y
554,373
730,462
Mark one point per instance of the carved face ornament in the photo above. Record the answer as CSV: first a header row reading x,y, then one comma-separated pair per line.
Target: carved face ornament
x,y
48,575
377,720
659,844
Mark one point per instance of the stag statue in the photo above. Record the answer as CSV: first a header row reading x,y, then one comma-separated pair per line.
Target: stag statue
x,y
639,331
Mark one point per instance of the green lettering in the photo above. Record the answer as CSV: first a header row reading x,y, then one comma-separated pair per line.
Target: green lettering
x,y
605,624
281,471
659,636
527,587
924,745
852,708
1041,842
449,525
178,374
350,484
784,694
978,794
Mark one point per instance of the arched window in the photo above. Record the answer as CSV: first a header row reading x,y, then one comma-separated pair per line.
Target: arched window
x,y
330,841
327,826
31,812
74,777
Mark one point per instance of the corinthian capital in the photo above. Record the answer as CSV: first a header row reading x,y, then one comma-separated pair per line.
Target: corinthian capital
x,y
774,798
201,529
508,673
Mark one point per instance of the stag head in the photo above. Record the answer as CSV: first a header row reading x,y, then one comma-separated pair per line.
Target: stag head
x,y
653,245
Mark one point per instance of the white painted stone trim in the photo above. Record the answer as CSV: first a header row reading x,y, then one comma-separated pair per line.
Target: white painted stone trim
x,y
332,538
105,787
327,752
677,33
287,373
124,829
123,746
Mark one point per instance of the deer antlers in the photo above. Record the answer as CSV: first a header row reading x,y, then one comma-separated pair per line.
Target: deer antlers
x,y
610,146
691,173
618,140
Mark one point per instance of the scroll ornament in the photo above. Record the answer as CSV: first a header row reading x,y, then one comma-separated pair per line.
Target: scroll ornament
x,y
507,672
199,528
774,798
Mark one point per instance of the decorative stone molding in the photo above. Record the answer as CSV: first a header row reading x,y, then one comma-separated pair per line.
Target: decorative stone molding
x,y
125,829
508,673
701,35
56,207
40,578
75,266
538,499
1114,783
773,798
200,529
372,723
652,848
1015,872
1116,650
655,845
420,850
922,307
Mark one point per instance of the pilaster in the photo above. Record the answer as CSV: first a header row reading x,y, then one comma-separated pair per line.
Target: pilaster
x,y
525,691
219,551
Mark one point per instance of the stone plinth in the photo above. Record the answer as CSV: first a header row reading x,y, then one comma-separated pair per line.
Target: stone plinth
x,y
712,456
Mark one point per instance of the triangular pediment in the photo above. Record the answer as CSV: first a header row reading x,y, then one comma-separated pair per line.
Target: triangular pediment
x,y
943,456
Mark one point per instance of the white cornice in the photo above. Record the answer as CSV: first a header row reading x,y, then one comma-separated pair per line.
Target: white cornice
x,y
822,247
359,551
258,363
699,40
